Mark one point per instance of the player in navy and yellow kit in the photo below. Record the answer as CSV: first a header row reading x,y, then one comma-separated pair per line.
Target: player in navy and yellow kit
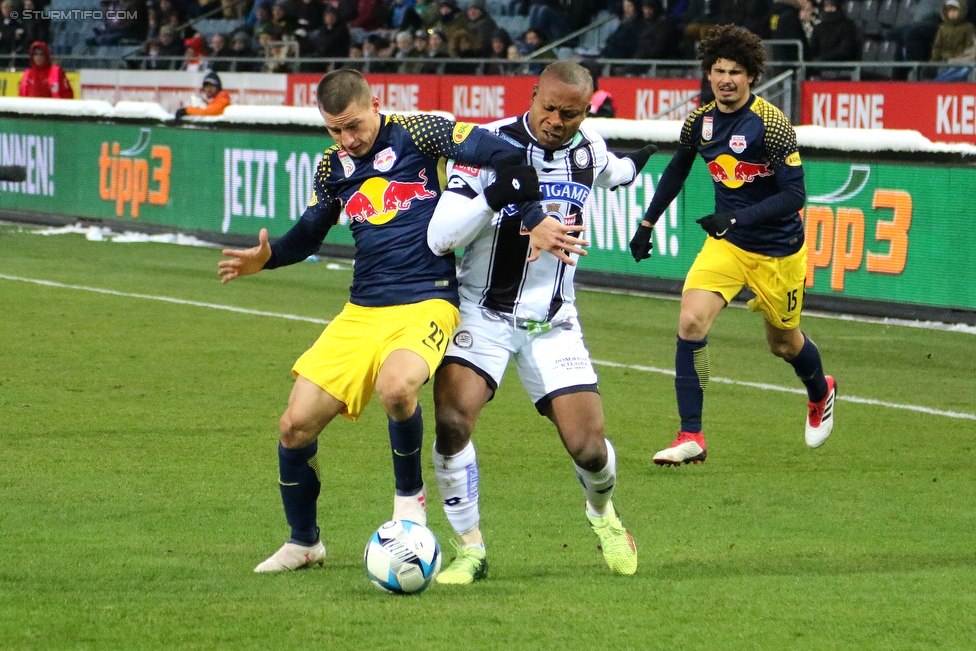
x,y
402,309
755,235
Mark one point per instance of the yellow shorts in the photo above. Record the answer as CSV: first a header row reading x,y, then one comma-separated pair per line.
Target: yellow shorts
x,y
346,358
724,268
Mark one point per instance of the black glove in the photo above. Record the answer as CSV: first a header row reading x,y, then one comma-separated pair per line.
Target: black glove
x,y
640,244
513,184
180,114
640,156
717,225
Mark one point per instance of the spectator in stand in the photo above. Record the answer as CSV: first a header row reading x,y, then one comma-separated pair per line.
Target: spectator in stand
x,y
436,49
150,57
498,50
532,40
160,15
115,29
622,43
835,38
548,16
702,16
219,50
204,7
378,52
418,52
11,30
262,18
345,9
37,27
955,42
428,12
784,24
404,52
234,9
750,14
464,45
482,25
915,38
169,46
331,41
369,15
514,54
403,18
44,78
213,93
451,20
809,17
661,36
241,50
194,56
308,17
283,24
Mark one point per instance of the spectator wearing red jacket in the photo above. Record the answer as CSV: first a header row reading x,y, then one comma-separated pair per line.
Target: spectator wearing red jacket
x,y
43,78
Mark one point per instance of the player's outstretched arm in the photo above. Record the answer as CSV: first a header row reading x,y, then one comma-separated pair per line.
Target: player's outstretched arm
x,y
558,239
245,262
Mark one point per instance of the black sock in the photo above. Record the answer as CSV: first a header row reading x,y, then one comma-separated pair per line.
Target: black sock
x,y
809,369
406,439
691,368
299,482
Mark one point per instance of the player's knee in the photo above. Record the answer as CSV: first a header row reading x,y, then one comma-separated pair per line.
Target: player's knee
x,y
294,432
692,325
589,452
453,429
399,399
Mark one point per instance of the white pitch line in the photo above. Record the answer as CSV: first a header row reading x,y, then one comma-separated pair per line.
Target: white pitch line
x,y
166,299
774,387
635,367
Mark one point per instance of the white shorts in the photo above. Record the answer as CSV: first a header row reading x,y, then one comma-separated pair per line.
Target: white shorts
x,y
550,363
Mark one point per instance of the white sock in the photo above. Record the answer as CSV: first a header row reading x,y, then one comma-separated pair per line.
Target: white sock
x,y
457,479
598,486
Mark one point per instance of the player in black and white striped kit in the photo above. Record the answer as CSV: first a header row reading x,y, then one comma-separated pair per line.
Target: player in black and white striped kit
x,y
516,300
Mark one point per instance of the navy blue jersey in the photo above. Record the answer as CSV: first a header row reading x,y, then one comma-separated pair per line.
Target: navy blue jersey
x,y
389,196
752,157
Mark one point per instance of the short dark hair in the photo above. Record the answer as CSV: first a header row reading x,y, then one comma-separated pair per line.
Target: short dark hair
x,y
571,73
735,44
340,88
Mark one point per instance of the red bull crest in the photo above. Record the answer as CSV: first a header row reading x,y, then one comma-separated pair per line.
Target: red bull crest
x,y
732,172
384,160
378,201
737,144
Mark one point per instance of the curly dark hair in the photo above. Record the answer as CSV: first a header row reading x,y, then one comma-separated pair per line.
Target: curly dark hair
x,y
735,44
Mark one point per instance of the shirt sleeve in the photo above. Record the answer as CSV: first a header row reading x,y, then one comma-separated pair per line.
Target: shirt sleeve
x,y
460,215
618,171
677,171
306,236
439,137
215,107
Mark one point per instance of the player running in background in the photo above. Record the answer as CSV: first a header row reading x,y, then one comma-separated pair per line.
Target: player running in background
x,y
392,333
755,235
514,306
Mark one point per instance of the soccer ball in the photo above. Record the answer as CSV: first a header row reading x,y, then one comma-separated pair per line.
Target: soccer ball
x,y
402,557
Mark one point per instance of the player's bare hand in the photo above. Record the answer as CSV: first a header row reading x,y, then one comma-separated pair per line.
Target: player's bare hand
x,y
558,239
245,262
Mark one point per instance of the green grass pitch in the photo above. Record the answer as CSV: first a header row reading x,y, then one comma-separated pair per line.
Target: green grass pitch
x,y
138,483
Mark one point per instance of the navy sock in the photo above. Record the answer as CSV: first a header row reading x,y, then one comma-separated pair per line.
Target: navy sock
x,y
691,377
406,439
809,369
299,483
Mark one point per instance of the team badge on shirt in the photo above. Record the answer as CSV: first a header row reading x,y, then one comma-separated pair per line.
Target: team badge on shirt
x,y
581,157
737,144
707,127
384,160
348,165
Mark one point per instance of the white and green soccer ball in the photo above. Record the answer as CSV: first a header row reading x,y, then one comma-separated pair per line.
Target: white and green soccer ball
x,y
402,557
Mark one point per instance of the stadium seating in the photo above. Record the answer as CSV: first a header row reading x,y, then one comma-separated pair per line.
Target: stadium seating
x,y
217,25
888,14
880,51
514,25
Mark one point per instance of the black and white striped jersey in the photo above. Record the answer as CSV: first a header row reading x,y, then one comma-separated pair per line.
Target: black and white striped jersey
x,y
494,272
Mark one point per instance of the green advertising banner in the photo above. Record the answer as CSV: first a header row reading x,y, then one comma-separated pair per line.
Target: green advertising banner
x,y
888,232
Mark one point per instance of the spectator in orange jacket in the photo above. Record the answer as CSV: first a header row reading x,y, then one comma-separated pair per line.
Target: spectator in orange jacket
x,y
217,98
44,79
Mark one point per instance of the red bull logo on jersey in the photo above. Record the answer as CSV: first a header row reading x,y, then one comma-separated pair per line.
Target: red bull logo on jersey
x,y
377,201
732,172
